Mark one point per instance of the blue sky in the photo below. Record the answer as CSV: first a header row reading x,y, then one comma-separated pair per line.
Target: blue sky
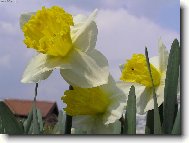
x,y
125,27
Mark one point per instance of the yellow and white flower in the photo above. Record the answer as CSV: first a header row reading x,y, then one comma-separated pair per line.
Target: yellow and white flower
x,y
63,42
135,72
96,110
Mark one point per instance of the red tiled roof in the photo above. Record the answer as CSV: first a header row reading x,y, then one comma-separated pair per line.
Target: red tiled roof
x,y
23,107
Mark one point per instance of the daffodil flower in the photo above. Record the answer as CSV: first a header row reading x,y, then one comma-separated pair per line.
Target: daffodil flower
x,y
96,110
135,72
66,43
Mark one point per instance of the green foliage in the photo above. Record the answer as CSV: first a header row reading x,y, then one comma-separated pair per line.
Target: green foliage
x,y
36,127
34,123
40,120
8,123
27,123
177,125
130,116
171,84
170,107
60,126
157,122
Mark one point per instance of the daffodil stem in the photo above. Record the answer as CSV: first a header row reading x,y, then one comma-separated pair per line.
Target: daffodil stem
x,y
157,122
68,124
35,97
36,87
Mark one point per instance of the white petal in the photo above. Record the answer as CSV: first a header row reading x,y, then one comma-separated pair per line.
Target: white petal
x,y
84,123
95,125
118,102
143,94
87,70
110,86
114,128
41,66
147,99
84,32
160,99
155,62
160,89
25,17
125,87
163,56
139,90
143,100
115,110
79,19
100,128
160,94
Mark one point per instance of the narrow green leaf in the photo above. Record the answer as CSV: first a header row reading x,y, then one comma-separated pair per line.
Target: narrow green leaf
x,y
130,116
170,90
31,128
40,120
27,123
60,125
35,124
9,123
157,123
36,127
177,124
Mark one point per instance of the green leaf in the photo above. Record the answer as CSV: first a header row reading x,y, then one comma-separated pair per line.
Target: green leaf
x,y
27,123
36,127
60,125
8,122
157,122
171,83
40,120
130,116
177,124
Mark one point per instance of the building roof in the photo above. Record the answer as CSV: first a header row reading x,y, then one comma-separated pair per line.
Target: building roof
x,y
23,107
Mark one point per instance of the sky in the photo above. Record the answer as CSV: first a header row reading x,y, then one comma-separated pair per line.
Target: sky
x,y
125,27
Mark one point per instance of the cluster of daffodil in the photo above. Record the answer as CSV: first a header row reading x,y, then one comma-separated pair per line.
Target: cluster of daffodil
x,y
97,101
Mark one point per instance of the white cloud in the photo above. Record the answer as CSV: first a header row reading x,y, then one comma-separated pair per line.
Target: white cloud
x,y
122,34
7,28
5,61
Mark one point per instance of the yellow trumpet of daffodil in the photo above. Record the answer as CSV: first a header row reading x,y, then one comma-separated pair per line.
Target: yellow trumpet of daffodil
x,y
96,110
64,42
135,72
